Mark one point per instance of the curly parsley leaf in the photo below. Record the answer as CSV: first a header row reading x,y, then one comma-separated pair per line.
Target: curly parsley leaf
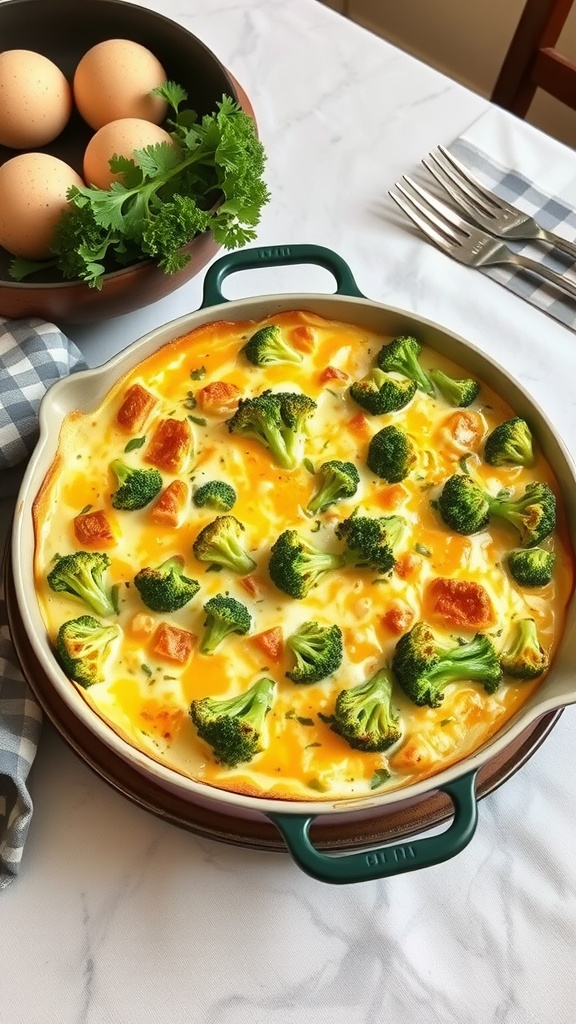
x,y
210,178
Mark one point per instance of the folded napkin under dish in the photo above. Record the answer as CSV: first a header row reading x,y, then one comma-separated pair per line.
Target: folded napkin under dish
x,y
537,174
33,356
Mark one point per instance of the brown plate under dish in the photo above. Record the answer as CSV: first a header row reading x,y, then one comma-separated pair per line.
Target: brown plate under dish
x,y
394,823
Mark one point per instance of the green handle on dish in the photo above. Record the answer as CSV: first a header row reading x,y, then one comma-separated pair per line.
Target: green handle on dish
x,y
277,256
384,861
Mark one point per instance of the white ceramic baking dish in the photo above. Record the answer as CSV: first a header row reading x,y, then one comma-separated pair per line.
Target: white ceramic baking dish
x,y
86,389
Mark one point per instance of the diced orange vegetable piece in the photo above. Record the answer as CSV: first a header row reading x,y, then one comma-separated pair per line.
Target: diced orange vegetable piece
x,y
218,397
359,425
303,338
332,373
171,504
459,603
93,528
392,496
250,584
173,643
271,641
465,427
398,618
406,565
136,407
169,445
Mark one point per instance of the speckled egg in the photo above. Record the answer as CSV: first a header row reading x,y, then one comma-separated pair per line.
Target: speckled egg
x,y
118,138
114,80
35,99
33,189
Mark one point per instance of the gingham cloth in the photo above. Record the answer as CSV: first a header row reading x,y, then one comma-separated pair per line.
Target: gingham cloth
x,y
549,211
33,355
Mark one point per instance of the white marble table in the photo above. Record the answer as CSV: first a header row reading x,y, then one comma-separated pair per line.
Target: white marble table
x,y
119,918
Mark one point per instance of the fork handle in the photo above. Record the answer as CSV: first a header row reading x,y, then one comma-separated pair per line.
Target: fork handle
x,y
542,271
558,242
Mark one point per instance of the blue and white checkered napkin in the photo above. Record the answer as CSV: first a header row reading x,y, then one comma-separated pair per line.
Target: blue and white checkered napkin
x,y
33,355
551,211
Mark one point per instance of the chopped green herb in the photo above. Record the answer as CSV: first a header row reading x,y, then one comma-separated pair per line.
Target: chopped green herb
x,y
309,465
85,510
422,549
198,374
381,775
134,443
146,670
166,196
305,721
199,420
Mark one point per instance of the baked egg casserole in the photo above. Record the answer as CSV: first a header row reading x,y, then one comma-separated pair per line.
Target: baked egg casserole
x,y
297,559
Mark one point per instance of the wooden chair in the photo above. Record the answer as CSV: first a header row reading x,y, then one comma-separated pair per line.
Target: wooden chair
x,y
533,62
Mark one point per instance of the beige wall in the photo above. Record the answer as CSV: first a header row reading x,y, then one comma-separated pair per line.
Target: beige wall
x,y
466,39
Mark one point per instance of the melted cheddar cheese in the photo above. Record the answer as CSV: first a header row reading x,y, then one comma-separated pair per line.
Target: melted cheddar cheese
x,y
195,382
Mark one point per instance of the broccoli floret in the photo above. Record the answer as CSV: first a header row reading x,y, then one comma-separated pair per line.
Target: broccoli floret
x,y
379,393
391,454
525,658
401,356
510,444
220,543
165,588
278,420
531,567
458,392
466,508
80,575
234,726
136,487
424,666
215,494
82,646
268,346
363,714
463,505
296,566
533,513
371,540
318,650
224,615
336,480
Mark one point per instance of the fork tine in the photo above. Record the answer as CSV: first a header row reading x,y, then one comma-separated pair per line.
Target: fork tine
x,y
465,190
467,182
443,216
421,222
472,207
438,207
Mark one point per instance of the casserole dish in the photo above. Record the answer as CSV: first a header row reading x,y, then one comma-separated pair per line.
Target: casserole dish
x,y
293,818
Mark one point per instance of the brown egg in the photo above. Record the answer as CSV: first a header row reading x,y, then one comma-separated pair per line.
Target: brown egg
x,y
114,79
118,138
33,189
35,99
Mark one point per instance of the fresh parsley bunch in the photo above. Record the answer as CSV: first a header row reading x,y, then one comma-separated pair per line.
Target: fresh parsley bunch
x,y
211,180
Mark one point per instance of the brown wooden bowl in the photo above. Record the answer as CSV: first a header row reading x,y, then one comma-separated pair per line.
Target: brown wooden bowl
x,y
55,29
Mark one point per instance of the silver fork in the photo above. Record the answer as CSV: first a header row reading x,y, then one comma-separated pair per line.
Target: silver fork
x,y
461,240
484,207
